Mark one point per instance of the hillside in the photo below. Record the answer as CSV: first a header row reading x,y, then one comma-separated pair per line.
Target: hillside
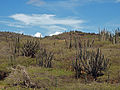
x,y
20,69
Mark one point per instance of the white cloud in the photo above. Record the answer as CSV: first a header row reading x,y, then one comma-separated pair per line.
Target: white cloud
x,y
21,17
56,33
44,19
38,34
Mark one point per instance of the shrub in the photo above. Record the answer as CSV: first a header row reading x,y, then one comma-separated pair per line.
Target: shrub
x,y
19,76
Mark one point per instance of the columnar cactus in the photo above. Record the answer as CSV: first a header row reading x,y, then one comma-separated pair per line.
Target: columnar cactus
x,y
90,62
44,58
30,48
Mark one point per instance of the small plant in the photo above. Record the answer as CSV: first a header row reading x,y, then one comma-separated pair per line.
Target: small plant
x,y
30,48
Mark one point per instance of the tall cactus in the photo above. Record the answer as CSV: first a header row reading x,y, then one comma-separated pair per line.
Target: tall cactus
x,y
70,45
77,66
17,45
117,34
14,46
91,63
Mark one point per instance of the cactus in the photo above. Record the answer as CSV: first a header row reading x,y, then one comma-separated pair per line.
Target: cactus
x,y
77,66
117,34
14,46
91,63
12,59
70,45
105,35
44,58
30,48
17,45
75,42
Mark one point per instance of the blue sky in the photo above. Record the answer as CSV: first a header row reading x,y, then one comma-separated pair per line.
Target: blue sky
x,y
50,17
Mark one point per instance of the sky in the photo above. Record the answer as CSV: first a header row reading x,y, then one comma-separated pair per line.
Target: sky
x,y
52,17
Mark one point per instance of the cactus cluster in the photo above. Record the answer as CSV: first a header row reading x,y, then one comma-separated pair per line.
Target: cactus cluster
x,y
90,63
78,43
105,35
30,48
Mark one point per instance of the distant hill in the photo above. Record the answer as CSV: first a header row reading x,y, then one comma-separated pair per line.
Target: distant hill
x,y
66,35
